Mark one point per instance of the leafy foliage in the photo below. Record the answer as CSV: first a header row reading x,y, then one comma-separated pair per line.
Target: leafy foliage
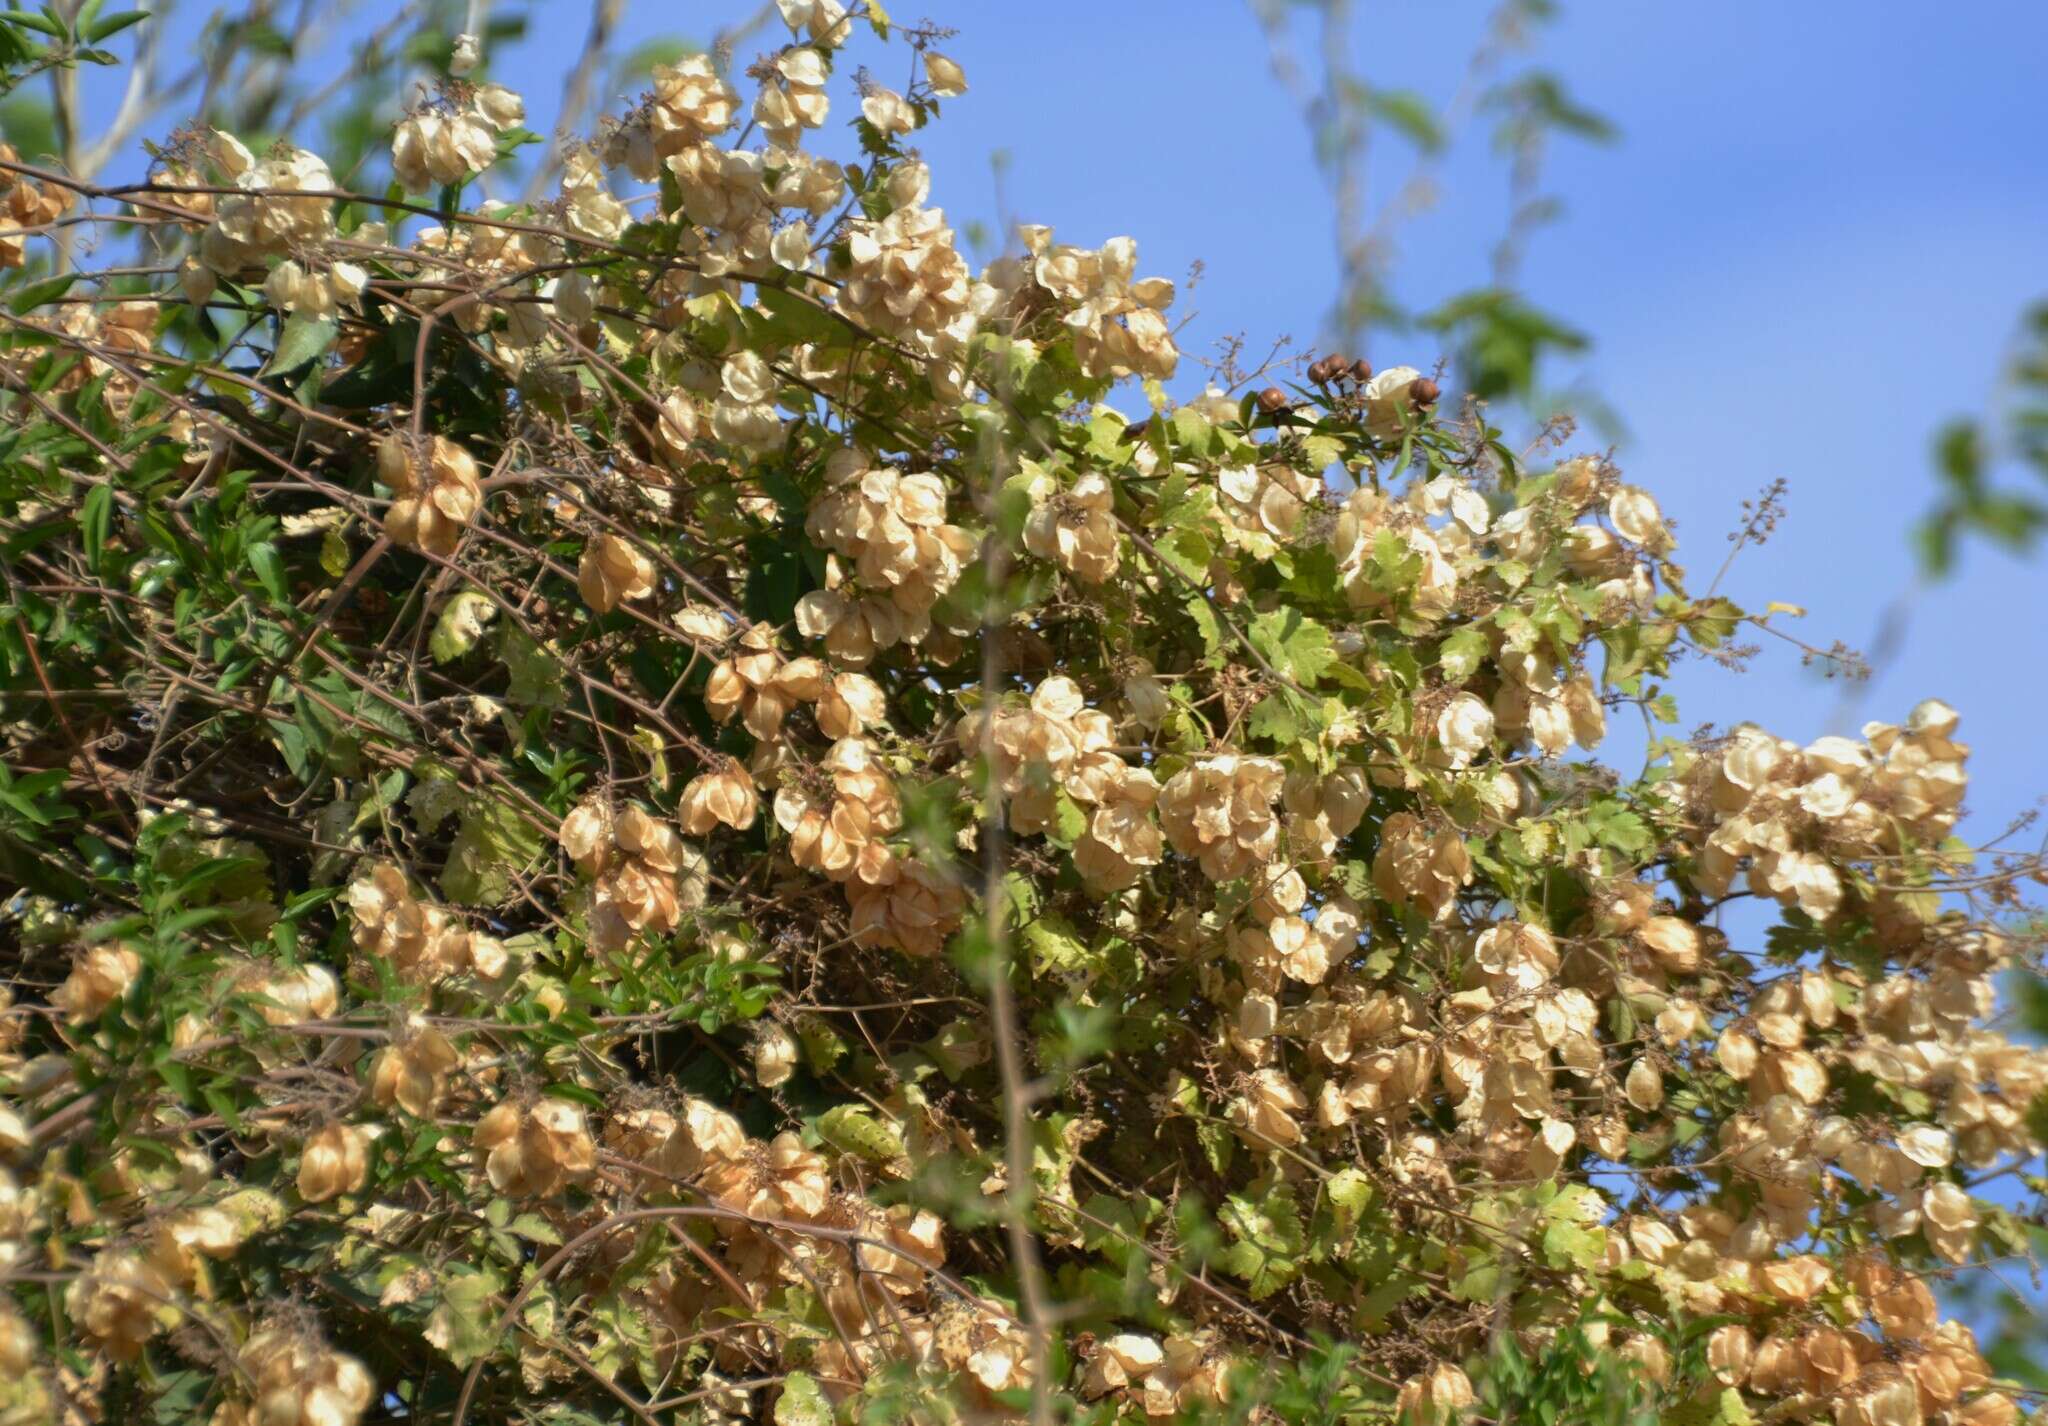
x,y
650,807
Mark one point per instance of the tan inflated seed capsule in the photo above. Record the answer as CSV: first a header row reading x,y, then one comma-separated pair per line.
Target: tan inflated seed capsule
x,y
120,1302
298,1381
612,571
1777,1369
775,1052
724,797
98,978
1436,1396
1730,1352
17,1343
335,1161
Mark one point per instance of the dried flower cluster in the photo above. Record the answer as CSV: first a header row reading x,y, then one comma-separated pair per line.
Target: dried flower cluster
x,y
1184,927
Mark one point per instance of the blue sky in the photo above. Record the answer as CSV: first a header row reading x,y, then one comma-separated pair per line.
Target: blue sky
x,y
1806,251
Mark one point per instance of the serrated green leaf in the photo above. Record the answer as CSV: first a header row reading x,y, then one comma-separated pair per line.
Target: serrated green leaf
x,y
1270,1240
858,1130
1460,655
803,1402
461,624
333,553
493,844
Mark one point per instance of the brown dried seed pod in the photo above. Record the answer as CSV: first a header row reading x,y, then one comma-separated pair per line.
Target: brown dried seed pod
x,y
1361,371
1424,392
1272,400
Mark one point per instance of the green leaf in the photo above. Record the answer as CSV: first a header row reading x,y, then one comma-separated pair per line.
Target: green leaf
x,y
461,624
41,24
1211,627
803,1401
334,553
1570,1245
536,672
493,843
94,519
858,1130
1273,718
776,578
464,1323
303,340
269,569
1460,655
23,807
535,1229
2037,1116
1409,112
112,25
1270,1240
793,319
1297,646
41,294
1069,821
1350,1193
1733,1410
1053,945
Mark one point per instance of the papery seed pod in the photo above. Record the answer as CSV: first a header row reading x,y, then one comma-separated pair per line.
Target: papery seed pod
x,y
98,978
120,1302
297,1381
534,1150
430,507
775,1054
612,571
722,798
1436,1396
412,1072
1730,1352
334,1161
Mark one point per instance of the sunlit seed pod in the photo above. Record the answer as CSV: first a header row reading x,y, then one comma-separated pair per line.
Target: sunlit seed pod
x,y
334,1161
775,1056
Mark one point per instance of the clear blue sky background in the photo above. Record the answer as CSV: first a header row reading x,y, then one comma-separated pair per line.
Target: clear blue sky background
x,y
1807,250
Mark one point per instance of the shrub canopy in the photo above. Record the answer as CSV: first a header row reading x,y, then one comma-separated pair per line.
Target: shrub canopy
x,y
646,807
